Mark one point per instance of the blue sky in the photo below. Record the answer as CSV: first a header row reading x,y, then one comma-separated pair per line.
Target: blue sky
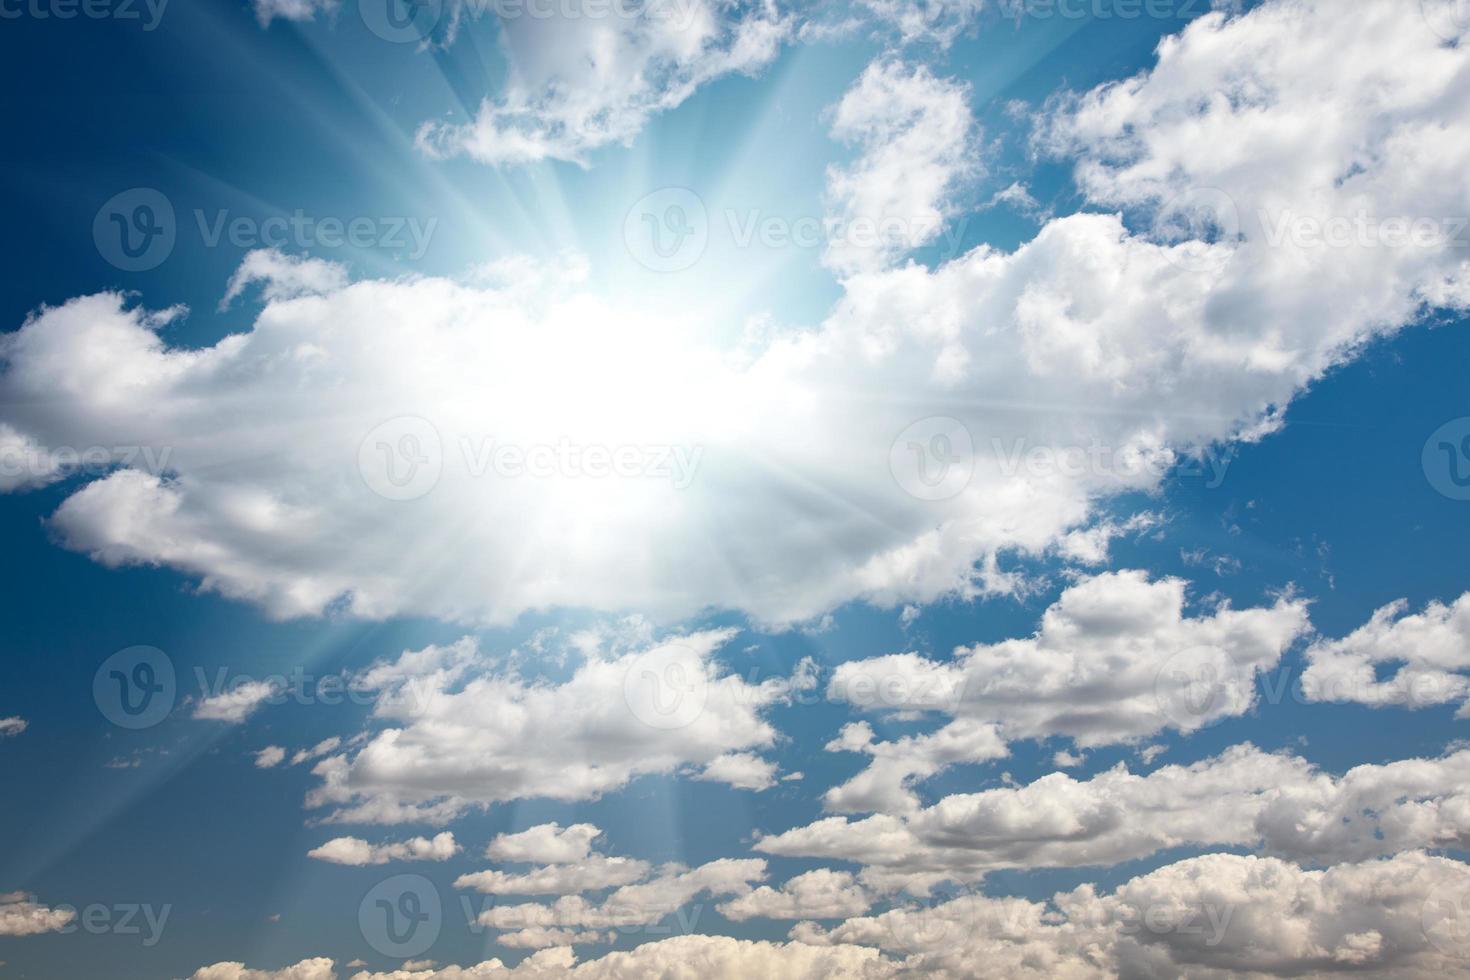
x,y
322,351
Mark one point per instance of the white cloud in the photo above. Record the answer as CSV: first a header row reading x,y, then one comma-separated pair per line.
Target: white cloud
x,y
236,704
915,137
1089,336
20,915
358,852
13,725
569,865
293,10
592,873
325,746
743,770
582,82
269,757
319,968
933,21
633,707
1210,918
547,843
1116,658
1432,650
819,894
642,904
1242,798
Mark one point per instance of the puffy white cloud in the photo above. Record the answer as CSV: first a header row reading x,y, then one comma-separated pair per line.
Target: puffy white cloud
x,y
21,915
641,904
1108,350
270,757
358,852
633,707
569,865
293,10
1210,917
883,786
819,894
712,957
916,149
13,725
547,843
236,704
319,968
24,463
1116,658
1432,650
592,873
743,770
1243,797
586,80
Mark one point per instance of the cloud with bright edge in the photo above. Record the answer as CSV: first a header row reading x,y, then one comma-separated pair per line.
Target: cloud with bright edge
x,y
1210,917
1243,797
1116,658
1105,330
469,738
356,852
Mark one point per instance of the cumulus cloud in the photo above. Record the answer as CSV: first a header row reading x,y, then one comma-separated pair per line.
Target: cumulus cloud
x,y
1116,658
580,82
634,706
292,10
269,757
1211,917
1216,916
21,915
743,770
13,725
313,969
915,137
1241,798
547,843
644,903
819,894
236,704
1431,650
358,852
569,866
1110,342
